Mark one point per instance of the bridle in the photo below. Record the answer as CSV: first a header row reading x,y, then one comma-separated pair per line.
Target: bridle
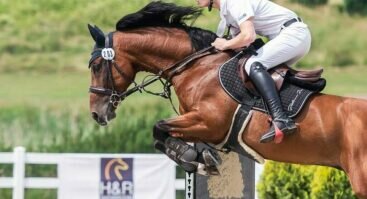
x,y
108,54
115,97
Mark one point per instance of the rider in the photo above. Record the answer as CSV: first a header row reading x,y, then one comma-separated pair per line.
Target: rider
x,y
289,40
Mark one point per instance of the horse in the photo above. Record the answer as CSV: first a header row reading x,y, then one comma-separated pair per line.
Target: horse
x,y
332,130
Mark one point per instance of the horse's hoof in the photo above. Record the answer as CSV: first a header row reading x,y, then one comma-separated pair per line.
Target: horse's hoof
x,y
211,158
205,170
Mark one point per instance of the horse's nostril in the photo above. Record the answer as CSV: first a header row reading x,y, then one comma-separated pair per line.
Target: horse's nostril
x,y
95,116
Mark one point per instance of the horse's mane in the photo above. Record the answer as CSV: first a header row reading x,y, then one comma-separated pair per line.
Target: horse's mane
x,y
160,14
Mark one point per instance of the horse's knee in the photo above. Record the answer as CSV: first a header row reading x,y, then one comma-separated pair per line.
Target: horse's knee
x,y
162,125
160,131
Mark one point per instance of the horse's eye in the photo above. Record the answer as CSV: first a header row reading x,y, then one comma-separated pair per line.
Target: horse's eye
x,y
96,67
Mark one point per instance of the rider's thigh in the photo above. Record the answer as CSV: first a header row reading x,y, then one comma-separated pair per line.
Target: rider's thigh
x,y
288,47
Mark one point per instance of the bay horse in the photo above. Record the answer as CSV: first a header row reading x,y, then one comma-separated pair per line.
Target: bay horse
x,y
332,129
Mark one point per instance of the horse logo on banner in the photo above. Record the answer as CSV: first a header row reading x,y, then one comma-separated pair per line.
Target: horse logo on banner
x,y
116,178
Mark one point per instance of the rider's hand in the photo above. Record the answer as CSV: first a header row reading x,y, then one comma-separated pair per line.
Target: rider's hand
x,y
220,44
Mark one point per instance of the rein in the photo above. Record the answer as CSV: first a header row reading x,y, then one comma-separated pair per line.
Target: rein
x,y
116,97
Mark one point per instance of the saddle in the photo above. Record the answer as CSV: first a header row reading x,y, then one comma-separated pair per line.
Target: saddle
x,y
295,88
293,85
303,78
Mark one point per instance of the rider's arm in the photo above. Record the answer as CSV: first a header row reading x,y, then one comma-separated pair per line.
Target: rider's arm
x,y
243,14
246,36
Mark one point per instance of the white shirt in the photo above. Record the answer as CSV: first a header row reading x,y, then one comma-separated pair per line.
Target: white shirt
x,y
268,17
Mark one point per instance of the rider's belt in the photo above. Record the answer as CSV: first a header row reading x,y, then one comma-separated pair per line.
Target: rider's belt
x,y
290,22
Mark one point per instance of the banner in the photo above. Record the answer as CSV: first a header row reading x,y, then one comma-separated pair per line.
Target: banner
x,y
119,177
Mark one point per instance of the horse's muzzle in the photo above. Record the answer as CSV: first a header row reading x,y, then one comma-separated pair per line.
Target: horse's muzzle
x,y
103,120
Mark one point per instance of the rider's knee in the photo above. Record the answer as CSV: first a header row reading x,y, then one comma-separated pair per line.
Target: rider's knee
x,y
253,65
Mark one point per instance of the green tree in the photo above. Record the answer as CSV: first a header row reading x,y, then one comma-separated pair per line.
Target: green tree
x,y
311,2
356,6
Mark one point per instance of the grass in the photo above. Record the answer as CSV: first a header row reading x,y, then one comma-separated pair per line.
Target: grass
x,y
346,81
52,89
52,35
42,88
40,35
71,88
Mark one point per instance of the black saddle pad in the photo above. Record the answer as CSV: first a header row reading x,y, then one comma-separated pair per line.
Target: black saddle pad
x,y
293,97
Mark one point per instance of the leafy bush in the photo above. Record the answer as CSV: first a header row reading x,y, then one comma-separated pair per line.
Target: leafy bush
x,y
330,183
280,180
311,2
356,6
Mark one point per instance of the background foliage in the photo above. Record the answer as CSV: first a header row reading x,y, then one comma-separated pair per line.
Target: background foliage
x,y
356,6
281,180
330,183
52,36
311,2
44,49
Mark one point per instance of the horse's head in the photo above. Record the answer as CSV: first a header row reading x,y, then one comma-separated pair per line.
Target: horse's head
x,y
111,74
151,39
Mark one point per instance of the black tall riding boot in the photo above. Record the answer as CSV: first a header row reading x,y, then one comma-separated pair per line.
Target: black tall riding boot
x,y
266,87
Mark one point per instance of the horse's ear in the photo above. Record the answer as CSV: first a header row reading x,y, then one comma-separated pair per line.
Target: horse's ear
x,y
97,35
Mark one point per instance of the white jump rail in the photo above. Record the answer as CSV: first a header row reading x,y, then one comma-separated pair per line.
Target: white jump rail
x,y
19,158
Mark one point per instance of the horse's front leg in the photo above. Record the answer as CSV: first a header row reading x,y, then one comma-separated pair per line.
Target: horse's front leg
x,y
189,126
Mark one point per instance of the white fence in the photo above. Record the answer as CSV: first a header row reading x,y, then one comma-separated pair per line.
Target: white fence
x,y
19,158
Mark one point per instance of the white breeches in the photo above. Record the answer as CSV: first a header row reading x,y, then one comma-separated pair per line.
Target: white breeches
x,y
292,43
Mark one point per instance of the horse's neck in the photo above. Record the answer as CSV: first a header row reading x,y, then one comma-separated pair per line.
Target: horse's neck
x,y
154,49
